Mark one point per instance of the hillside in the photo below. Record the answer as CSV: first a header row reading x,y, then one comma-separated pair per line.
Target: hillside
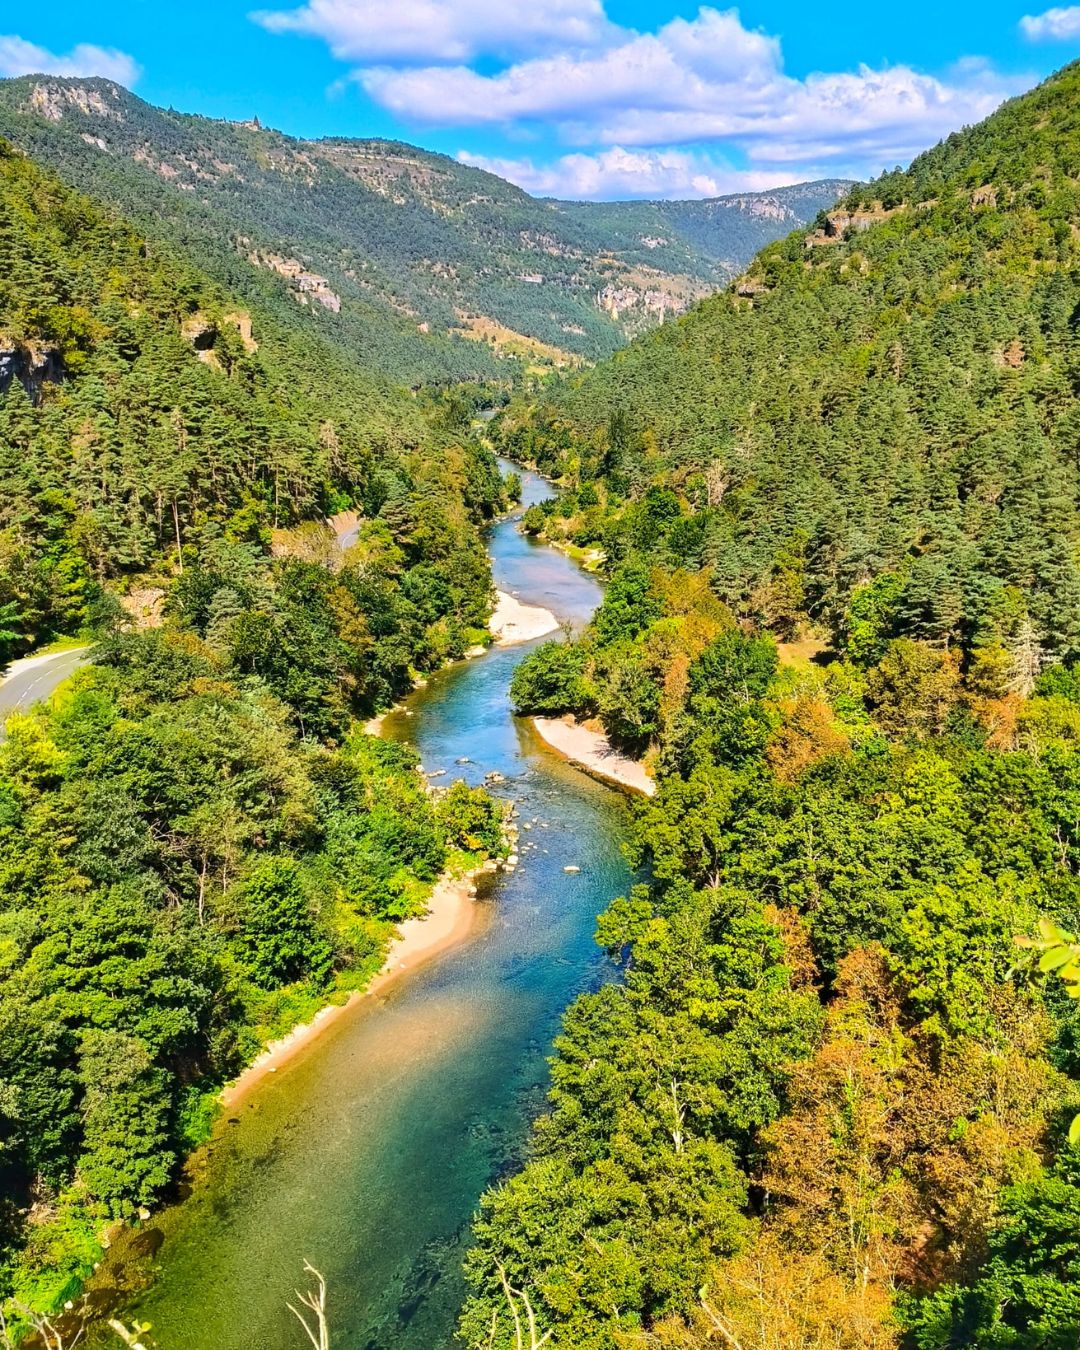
x,y
199,847
146,414
889,393
833,1100
420,267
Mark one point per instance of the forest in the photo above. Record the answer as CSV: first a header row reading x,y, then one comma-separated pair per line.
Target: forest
x,y
830,1102
414,243
886,411
199,846
145,413
827,1092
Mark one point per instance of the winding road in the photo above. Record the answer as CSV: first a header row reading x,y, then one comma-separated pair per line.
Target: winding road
x,y
32,679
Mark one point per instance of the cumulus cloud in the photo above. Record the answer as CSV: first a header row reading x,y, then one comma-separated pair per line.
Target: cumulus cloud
x,y
19,57
564,68
1053,25
619,172
410,31
702,79
688,65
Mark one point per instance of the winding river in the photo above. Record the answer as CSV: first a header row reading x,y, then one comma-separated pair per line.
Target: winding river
x,y
367,1154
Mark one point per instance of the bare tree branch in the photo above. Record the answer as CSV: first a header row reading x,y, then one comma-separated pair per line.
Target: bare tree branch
x,y
315,1300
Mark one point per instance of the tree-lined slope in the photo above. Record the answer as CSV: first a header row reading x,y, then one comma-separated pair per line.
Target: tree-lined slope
x,y
421,267
145,413
892,394
831,1104
199,847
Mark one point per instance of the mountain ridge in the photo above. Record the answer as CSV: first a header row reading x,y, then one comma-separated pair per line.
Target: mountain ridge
x,y
419,259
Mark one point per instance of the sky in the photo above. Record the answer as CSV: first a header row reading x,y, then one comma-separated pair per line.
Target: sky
x,y
599,99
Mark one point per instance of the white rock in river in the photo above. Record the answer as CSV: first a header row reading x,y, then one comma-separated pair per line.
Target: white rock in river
x,y
571,869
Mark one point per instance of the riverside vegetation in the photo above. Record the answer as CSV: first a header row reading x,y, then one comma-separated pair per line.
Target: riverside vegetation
x,y
830,1102
198,845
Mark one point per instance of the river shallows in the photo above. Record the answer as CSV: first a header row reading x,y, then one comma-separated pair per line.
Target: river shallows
x,y
367,1154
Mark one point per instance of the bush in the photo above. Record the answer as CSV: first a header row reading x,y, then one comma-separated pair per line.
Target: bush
x,y
533,521
472,820
551,680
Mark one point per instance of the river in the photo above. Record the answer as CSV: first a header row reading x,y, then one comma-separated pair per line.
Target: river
x,y
367,1154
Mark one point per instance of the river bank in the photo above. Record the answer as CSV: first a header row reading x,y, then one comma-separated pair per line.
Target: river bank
x,y
592,751
513,622
368,1154
451,911
452,915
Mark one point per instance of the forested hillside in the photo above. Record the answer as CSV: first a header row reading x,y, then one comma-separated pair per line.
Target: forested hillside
x,y
198,844
830,1103
419,267
145,416
890,397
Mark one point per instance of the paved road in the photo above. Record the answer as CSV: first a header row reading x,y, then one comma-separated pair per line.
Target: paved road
x,y
34,678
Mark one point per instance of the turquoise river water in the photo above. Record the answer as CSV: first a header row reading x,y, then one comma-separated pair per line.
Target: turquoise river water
x,y
367,1154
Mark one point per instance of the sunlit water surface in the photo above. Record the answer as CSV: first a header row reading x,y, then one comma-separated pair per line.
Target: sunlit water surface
x,y
367,1155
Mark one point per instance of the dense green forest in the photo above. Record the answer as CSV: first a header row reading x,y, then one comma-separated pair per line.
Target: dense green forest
x,y
184,877
829,1103
888,412
145,416
414,245
199,846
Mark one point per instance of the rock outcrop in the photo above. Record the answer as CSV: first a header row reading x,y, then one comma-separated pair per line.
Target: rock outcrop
x,y
52,99
841,225
307,286
203,332
30,364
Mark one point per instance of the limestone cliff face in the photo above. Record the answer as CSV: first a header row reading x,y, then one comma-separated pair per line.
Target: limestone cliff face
x,y
53,99
31,365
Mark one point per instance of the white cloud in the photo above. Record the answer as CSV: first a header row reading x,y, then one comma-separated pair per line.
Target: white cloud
x,y
705,79
686,65
618,172
564,69
411,31
19,57
1053,25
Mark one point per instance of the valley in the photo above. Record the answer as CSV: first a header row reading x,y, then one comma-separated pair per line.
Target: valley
x,y
350,498
401,252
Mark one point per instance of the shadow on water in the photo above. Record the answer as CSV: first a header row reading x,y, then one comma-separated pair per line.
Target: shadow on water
x,y
367,1155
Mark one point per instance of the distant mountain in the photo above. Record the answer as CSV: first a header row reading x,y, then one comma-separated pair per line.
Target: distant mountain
x,y
713,239
422,268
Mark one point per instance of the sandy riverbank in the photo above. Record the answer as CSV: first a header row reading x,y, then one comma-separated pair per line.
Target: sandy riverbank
x,y
592,751
452,915
513,621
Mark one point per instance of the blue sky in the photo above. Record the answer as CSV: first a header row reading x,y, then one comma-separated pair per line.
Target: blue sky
x,y
582,98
